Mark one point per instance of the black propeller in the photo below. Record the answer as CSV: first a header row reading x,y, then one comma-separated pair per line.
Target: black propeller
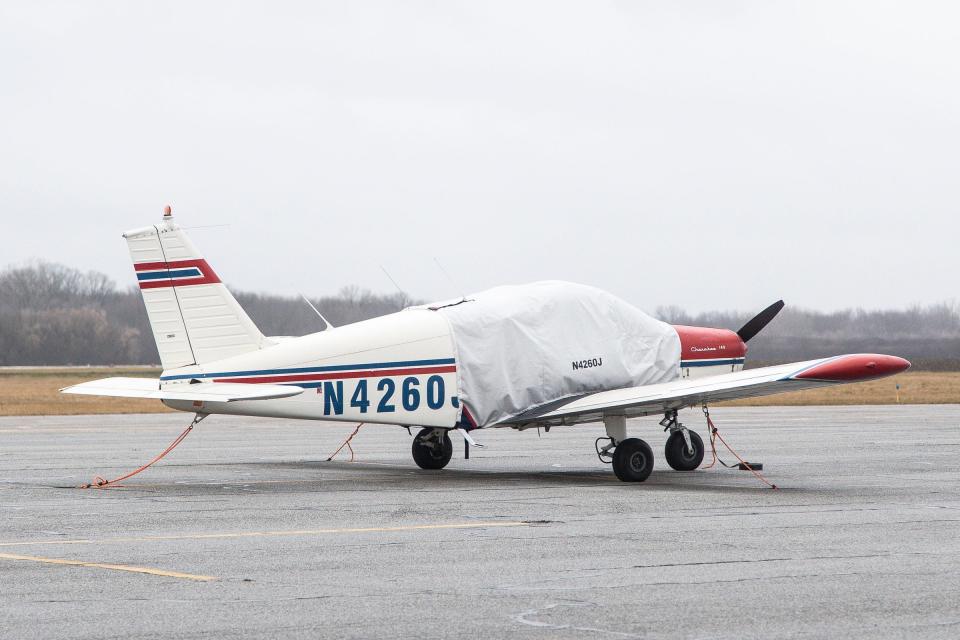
x,y
759,321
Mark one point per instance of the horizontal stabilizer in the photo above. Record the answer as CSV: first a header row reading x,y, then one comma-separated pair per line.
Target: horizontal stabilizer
x,y
202,391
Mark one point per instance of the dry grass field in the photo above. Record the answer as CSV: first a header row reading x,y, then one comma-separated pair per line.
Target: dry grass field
x,y
916,387
35,391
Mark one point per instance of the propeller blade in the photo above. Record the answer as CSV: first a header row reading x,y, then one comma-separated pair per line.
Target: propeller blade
x,y
759,321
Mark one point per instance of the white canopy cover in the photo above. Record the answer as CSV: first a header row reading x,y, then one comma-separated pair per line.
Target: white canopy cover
x,y
522,346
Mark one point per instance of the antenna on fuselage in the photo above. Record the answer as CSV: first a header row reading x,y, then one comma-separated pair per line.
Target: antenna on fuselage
x,y
444,272
317,311
403,293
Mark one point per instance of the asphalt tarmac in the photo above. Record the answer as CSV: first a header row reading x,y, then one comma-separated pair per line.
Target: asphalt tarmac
x,y
245,530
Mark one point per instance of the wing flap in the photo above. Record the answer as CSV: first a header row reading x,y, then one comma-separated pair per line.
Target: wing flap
x,y
678,394
202,391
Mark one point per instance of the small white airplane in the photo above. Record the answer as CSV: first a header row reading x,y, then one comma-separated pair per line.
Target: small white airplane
x,y
538,355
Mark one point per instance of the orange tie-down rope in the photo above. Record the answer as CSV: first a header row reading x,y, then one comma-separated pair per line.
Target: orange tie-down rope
x,y
100,483
714,435
346,443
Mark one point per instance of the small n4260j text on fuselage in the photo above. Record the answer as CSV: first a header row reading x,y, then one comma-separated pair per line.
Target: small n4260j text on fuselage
x,y
589,363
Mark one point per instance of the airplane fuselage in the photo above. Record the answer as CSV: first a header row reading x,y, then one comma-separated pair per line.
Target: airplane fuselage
x,y
396,369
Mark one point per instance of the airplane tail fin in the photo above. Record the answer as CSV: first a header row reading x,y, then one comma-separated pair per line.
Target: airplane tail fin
x,y
194,318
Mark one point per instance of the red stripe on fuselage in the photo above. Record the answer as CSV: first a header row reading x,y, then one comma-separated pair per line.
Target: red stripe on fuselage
x,y
339,375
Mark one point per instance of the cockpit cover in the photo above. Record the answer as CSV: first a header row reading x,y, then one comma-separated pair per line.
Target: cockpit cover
x,y
520,347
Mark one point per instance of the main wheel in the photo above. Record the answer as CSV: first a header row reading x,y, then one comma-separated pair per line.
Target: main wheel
x,y
677,454
632,460
431,450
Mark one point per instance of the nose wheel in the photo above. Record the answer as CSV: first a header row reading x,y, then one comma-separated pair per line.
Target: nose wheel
x,y
432,448
684,449
679,455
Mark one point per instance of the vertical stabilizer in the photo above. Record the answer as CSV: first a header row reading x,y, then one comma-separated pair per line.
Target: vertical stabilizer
x,y
194,318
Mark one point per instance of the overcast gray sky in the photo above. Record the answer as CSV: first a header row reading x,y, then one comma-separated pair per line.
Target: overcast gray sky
x,y
704,154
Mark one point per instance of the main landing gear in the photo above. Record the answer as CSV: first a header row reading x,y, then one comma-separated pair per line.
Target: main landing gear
x,y
432,448
632,458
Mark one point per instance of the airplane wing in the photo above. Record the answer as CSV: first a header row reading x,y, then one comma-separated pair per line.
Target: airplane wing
x,y
201,391
682,393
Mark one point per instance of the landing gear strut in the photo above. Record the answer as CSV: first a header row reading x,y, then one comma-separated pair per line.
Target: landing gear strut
x,y
432,448
684,449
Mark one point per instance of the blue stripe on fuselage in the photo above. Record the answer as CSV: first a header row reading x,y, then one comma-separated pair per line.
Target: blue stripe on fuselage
x,y
337,367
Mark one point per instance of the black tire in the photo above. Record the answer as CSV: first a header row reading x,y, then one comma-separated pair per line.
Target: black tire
x,y
677,455
428,453
632,460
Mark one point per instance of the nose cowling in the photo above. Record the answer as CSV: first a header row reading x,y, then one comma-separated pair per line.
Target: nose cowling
x,y
704,343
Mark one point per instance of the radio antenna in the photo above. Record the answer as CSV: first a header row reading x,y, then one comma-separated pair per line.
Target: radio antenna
x,y
317,311
452,283
402,292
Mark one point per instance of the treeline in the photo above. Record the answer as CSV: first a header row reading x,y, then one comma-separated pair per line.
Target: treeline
x,y
51,314
928,336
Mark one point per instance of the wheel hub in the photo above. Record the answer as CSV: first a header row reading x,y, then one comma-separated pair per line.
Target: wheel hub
x,y
638,461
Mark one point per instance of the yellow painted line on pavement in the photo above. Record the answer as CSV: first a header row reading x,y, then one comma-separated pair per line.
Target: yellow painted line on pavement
x,y
113,567
266,534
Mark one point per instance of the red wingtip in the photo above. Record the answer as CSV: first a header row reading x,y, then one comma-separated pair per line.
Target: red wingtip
x,y
861,366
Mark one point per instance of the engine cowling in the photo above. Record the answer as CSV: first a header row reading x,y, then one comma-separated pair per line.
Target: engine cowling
x,y
705,351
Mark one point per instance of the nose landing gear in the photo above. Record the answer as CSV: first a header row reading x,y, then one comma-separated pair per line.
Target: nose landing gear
x,y
684,449
681,457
